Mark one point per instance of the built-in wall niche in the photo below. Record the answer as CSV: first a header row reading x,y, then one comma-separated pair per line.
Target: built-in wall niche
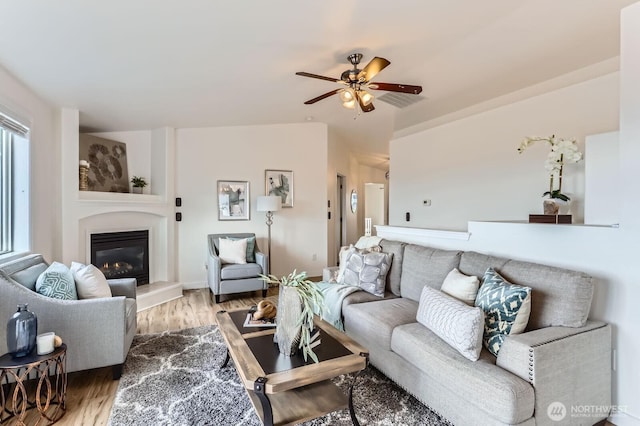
x,y
114,158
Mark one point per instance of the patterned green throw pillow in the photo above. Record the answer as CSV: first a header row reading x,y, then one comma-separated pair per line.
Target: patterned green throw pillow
x,y
502,303
57,282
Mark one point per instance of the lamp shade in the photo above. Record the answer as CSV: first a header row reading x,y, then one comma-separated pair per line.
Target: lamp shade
x,y
269,203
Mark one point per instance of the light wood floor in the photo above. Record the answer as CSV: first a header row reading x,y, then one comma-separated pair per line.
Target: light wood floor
x,y
90,393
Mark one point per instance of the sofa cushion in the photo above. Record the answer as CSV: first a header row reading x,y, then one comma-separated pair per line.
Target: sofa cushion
x,y
236,271
57,282
455,322
462,287
368,271
506,307
28,276
489,388
425,266
559,297
396,248
363,297
90,281
375,321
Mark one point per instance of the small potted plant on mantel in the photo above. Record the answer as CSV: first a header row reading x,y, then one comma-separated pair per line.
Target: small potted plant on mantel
x,y
138,184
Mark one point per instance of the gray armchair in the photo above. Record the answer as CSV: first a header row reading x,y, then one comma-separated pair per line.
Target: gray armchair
x,y
98,332
235,278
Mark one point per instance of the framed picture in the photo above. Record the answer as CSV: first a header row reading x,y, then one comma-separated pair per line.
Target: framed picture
x,y
233,200
280,183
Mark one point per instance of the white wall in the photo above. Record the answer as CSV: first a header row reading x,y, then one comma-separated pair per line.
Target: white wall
x,y
602,179
471,170
471,166
18,100
206,155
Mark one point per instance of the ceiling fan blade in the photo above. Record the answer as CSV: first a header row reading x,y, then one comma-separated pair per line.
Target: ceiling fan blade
x,y
363,107
394,87
321,97
374,67
321,77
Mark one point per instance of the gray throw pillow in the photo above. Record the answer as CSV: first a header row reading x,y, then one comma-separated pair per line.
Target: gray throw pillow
x,y
368,271
455,322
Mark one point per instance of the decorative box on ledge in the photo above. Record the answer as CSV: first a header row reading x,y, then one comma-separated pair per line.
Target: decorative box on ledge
x,y
550,218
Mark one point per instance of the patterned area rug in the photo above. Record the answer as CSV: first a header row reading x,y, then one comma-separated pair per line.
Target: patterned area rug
x,y
173,378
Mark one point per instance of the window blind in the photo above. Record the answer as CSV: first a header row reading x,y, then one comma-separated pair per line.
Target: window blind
x,y
13,126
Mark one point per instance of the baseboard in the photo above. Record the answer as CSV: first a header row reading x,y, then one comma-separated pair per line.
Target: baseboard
x,y
623,419
194,285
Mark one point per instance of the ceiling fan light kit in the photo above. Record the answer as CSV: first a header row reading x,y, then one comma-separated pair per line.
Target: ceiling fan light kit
x,y
359,83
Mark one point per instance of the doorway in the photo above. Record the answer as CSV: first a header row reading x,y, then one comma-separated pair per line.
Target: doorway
x,y
340,222
374,205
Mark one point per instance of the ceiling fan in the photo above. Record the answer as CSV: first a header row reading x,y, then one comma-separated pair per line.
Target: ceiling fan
x,y
358,83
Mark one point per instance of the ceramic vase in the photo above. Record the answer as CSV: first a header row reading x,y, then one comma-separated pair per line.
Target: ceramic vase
x,y
22,330
288,324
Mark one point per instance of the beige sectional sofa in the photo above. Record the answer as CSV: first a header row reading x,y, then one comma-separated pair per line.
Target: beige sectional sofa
x,y
562,357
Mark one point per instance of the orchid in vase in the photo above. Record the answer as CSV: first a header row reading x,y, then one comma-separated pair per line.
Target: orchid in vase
x,y
563,151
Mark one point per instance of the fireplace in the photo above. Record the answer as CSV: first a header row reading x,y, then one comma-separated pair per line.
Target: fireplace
x,y
122,254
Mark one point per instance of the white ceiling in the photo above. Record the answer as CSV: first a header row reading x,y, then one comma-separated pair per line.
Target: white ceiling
x,y
144,64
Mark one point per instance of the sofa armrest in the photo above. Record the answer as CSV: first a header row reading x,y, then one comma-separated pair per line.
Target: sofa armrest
x,y
329,273
563,364
123,287
262,259
214,264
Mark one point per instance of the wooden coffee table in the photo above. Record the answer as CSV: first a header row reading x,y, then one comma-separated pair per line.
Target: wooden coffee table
x,y
288,390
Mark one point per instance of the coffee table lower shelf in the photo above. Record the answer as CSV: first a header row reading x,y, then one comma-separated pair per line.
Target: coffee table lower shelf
x,y
302,404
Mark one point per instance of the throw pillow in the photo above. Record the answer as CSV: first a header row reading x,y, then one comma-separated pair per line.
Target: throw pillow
x,y
57,282
368,242
506,307
458,324
462,287
251,247
90,281
233,251
345,252
368,271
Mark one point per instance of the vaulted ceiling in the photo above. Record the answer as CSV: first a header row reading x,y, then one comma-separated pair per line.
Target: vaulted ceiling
x,y
143,64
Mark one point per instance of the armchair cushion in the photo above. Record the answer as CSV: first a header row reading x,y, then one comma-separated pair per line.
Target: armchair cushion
x,y
90,281
233,251
251,247
28,276
240,271
57,282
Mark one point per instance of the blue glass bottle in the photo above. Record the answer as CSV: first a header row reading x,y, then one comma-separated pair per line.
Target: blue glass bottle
x,y
22,330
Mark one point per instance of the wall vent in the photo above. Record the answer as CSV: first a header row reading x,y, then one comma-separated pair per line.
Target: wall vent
x,y
400,100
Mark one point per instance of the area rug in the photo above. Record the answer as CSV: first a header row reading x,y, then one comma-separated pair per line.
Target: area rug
x,y
174,378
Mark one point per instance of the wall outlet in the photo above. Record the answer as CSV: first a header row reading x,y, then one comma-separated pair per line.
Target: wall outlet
x,y
426,203
314,257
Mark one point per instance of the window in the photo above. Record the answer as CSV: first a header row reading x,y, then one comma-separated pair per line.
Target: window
x,y
13,185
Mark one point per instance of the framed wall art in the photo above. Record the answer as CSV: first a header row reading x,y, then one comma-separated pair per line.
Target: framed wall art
x,y
280,183
107,160
233,200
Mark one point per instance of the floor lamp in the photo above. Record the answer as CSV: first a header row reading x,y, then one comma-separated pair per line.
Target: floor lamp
x,y
269,204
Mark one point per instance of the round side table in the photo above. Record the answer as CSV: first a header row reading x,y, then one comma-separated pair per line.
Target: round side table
x,y
42,376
